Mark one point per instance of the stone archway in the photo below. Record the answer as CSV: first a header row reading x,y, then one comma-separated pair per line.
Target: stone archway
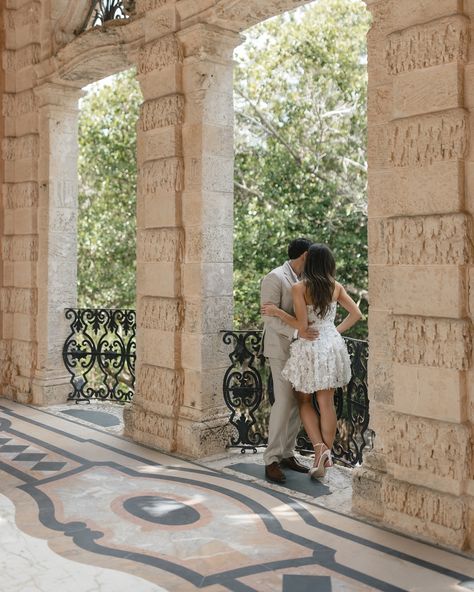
x,y
420,477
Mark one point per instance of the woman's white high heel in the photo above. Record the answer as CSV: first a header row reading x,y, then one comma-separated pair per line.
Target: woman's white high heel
x,y
319,470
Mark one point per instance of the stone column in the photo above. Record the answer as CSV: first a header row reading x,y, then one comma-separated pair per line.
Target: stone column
x,y
184,234
57,236
420,250
207,214
3,341
20,148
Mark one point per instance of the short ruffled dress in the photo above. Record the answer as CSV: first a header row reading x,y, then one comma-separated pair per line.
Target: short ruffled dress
x,y
320,364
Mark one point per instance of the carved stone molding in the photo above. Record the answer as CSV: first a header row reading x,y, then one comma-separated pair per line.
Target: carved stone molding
x,y
21,58
163,52
166,174
442,448
242,14
72,19
439,42
22,147
164,314
160,244
443,343
28,14
18,300
146,5
154,383
423,240
20,103
422,140
209,42
21,195
424,504
162,112
20,248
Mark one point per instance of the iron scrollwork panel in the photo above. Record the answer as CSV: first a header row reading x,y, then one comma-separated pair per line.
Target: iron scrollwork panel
x,y
103,11
100,352
243,388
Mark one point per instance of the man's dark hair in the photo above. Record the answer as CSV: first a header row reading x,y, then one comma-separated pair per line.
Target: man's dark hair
x,y
298,246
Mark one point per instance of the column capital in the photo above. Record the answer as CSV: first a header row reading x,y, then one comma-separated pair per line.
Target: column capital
x,y
209,42
58,95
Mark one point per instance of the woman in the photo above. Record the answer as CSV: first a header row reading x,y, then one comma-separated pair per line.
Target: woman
x,y
321,365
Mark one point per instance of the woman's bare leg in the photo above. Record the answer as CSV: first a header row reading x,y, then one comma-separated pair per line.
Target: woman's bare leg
x,y
309,417
311,422
328,421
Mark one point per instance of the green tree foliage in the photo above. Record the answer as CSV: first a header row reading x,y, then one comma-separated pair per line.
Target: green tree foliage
x,y
300,90
107,193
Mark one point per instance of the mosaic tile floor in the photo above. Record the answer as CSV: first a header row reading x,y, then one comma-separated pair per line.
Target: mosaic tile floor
x,y
85,510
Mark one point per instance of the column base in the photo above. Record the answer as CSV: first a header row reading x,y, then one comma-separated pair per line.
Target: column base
x,y
50,391
411,509
189,438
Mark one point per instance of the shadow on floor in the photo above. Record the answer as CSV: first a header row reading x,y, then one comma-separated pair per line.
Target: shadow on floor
x,y
300,482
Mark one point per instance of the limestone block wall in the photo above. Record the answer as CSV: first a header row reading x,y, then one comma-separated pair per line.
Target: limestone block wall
x,y
39,191
20,240
420,476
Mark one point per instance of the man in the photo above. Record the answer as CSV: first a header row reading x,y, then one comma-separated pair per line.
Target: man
x,y
284,417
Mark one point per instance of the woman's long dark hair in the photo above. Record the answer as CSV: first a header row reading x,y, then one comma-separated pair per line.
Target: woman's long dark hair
x,y
319,277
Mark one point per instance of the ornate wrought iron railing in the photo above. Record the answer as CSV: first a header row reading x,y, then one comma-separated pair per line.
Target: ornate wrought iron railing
x,y
103,11
248,394
99,353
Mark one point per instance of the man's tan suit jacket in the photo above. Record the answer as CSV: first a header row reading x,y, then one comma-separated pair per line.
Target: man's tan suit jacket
x,y
276,288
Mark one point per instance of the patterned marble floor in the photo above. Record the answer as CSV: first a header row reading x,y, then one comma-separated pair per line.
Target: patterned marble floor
x,y
85,510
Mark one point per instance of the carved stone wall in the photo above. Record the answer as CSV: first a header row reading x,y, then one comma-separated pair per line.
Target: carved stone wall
x,y
420,476
39,149
19,305
439,42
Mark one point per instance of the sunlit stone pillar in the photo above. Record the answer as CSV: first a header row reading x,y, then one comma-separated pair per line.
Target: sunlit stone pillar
x,y
419,478
57,236
207,214
3,337
19,247
184,234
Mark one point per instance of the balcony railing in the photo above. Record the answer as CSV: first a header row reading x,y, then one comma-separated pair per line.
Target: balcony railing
x,y
100,351
248,393
104,11
99,354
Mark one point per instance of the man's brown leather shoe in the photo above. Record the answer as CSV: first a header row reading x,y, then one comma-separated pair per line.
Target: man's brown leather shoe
x,y
294,464
274,473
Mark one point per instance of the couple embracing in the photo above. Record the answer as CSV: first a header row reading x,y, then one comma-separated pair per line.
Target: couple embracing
x,y
306,354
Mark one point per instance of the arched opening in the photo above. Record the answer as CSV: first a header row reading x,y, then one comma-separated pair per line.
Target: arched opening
x,y
300,135
107,193
300,89
99,352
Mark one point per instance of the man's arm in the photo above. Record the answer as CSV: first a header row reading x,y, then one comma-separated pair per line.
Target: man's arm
x,y
270,291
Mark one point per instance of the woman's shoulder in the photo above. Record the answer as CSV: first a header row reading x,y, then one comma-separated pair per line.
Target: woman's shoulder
x,y
299,286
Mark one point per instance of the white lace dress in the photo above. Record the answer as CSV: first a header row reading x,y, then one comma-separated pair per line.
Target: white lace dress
x,y
320,364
